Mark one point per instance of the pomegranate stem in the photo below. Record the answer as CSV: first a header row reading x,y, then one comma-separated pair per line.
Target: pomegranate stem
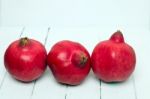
x,y
83,60
24,41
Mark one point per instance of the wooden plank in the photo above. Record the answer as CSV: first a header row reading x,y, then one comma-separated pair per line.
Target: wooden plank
x,y
7,35
37,33
90,88
47,87
137,86
41,35
124,90
17,90
140,40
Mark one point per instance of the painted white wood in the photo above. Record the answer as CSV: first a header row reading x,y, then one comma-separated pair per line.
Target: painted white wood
x,y
139,38
41,35
90,88
136,87
123,90
47,87
37,33
17,90
7,35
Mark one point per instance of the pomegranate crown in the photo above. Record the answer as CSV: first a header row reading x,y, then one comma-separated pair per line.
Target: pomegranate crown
x,y
24,41
117,37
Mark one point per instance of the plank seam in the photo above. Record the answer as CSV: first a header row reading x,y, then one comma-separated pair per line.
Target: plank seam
x,y
66,96
48,30
22,32
3,79
100,89
134,86
66,91
34,83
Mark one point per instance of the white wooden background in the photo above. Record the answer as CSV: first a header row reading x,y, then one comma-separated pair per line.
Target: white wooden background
x,y
136,87
84,21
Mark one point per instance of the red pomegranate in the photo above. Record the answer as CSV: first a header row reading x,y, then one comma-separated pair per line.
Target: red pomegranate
x,y
69,62
113,60
25,59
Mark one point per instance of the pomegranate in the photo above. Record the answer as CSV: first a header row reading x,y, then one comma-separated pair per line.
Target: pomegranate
x,y
25,59
69,62
113,60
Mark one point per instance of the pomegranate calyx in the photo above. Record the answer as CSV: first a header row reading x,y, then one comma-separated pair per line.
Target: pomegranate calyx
x,y
79,59
83,60
24,41
117,37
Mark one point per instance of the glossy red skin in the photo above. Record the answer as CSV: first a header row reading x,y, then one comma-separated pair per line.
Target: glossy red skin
x,y
113,61
25,63
61,60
